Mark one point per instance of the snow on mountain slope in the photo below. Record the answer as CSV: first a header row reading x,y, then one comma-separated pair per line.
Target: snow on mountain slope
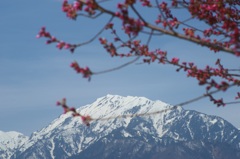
x,y
67,136
110,105
9,142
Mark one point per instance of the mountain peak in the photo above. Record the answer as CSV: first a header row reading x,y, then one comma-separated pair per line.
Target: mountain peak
x,y
10,141
119,97
10,136
112,105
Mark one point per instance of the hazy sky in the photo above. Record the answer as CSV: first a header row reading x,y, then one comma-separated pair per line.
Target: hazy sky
x,y
33,75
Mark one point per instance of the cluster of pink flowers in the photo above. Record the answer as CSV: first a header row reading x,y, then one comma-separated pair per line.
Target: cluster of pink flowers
x,y
51,39
222,17
71,10
130,25
146,3
85,119
86,72
218,102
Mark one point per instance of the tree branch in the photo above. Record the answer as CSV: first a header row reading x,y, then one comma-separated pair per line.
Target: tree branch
x,y
117,68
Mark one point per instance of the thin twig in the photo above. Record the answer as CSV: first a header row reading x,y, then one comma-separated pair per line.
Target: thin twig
x,y
228,103
89,16
150,37
94,37
154,34
117,68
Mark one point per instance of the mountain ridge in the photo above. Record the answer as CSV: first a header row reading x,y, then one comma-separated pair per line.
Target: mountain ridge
x,y
175,129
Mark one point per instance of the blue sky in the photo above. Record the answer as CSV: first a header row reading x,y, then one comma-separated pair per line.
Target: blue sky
x,y
35,75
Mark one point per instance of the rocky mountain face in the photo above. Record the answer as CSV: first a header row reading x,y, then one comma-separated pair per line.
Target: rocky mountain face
x,y
174,133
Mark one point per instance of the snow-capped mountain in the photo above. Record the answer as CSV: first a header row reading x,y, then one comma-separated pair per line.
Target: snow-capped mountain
x,y
10,142
173,133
